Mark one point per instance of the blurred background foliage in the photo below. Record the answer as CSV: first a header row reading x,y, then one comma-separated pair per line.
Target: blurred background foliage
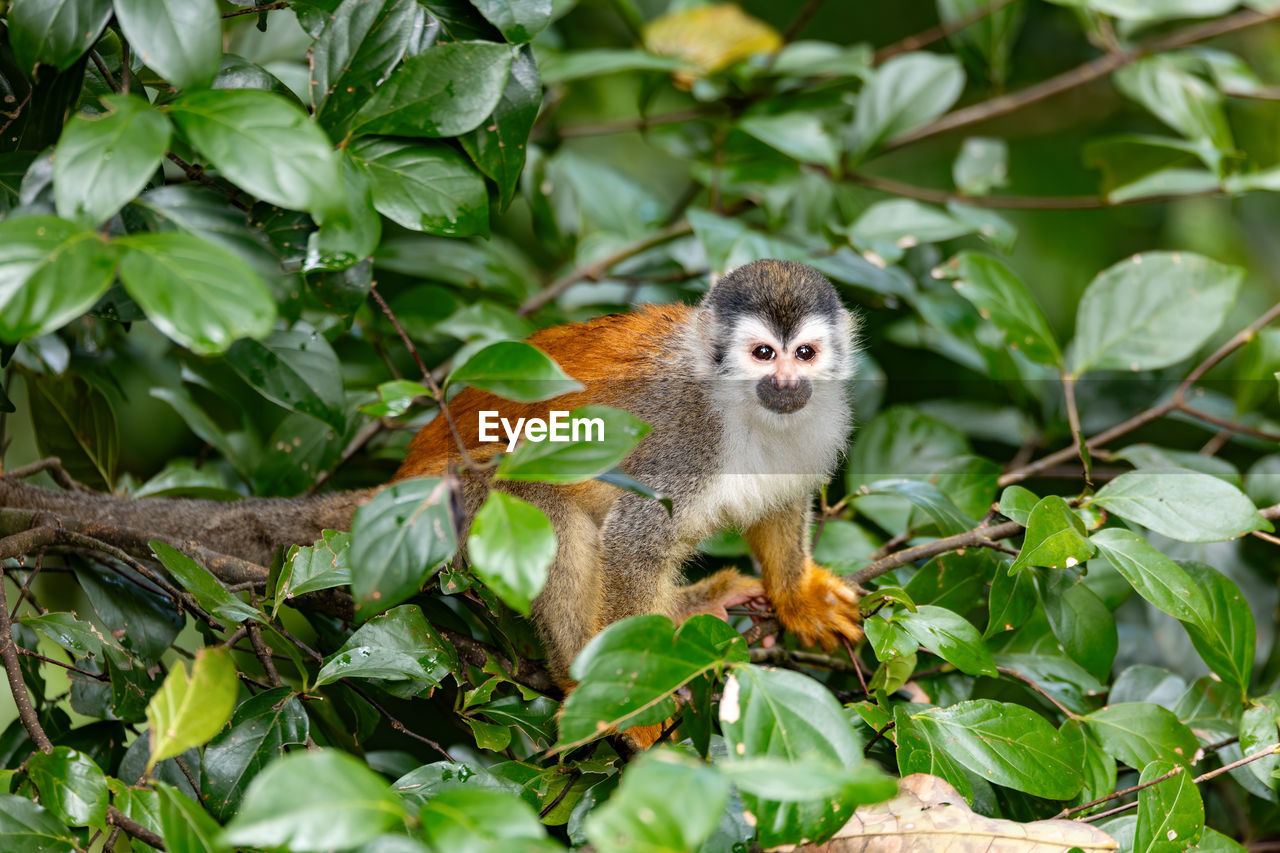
x,y
600,154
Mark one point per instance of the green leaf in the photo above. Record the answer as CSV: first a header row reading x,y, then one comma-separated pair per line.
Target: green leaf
x,y
51,272
75,422
1001,297
398,645
395,398
207,589
398,540
664,802
82,639
1008,745
1012,600
1152,456
197,293
801,136
1138,733
264,144
981,166
1170,813
1080,622
1181,504
498,145
310,568
570,65
55,32
511,545
474,820
609,434
27,828
920,750
928,497
773,713
314,801
627,673
260,730
181,40
101,162
1223,633
907,91
71,786
360,43
350,233
1156,578
446,90
184,824
950,636
189,710
516,371
1152,310
1017,502
1055,539
142,622
1184,101
294,368
424,186
518,20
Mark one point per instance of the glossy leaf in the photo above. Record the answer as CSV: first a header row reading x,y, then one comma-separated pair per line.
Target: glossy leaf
x,y
71,786
478,819
665,802
1156,578
51,272
199,294
296,369
949,636
1152,310
184,824
904,93
259,732
608,435
1008,745
179,39
1138,733
1224,632
1001,297
445,91
398,540
627,673
1055,537
424,186
518,20
310,568
780,714
1181,504
102,162
189,710
498,145
314,801
207,589
360,43
511,545
264,144
798,135
1080,622
55,32
27,828
1170,813
398,645
516,371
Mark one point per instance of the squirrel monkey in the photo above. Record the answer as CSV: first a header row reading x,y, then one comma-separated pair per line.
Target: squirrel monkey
x,y
747,400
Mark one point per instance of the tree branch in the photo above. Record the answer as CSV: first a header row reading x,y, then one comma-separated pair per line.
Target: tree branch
x,y
938,32
1080,75
9,656
115,817
982,535
1014,202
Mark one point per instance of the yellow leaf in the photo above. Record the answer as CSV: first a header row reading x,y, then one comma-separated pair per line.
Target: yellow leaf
x,y
710,37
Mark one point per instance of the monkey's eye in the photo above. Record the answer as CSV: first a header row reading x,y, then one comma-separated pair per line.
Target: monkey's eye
x,y
805,352
764,352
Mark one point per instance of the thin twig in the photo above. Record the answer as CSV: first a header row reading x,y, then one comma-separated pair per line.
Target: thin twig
x,y
104,71
938,32
802,20
880,732
1080,75
269,7
968,539
198,174
1017,202
596,271
115,817
17,111
1027,680
574,775
778,654
1073,421
399,726
96,676
13,672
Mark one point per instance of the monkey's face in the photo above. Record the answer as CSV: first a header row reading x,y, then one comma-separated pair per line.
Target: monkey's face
x,y
784,368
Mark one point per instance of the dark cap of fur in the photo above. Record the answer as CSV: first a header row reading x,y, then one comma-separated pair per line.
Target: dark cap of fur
x,y
781,293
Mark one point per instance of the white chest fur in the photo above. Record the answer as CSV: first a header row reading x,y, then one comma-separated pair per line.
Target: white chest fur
x,y
770,460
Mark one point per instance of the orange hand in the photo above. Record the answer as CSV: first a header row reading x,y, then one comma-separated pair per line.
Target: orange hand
x,y
820,609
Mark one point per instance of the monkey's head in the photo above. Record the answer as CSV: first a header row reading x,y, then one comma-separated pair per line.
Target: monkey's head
x,y
781,325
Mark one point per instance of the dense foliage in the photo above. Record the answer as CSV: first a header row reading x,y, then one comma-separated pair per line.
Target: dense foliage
x,y
248,251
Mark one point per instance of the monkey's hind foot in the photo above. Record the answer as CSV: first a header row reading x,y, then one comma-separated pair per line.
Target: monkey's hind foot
x,y
716,593
820,609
